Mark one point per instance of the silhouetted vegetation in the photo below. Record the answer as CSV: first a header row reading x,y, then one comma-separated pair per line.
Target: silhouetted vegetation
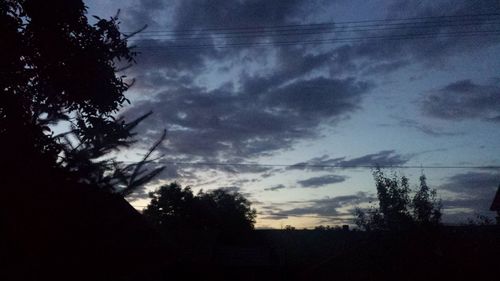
x,y
225,214
57,69
397,210
63,214
62,206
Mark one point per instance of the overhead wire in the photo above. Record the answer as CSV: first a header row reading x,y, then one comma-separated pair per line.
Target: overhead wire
x,y
323,24
325,41
458,26
328,30
300,32
337,166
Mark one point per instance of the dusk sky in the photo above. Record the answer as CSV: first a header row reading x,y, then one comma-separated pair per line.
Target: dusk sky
x,y
409,84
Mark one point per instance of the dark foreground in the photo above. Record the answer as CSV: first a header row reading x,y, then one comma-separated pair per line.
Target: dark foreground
x,y
451,253
104,238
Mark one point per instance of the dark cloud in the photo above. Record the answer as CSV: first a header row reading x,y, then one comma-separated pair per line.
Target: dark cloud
x,y
474,204
473,193
275,187
384,67
220,123
321,207
316,182
291,63
315,163
231,189
464,99
182,52
264,100
479,183
430,130
384,158
144,12
191,14
170,55
138,194
381,51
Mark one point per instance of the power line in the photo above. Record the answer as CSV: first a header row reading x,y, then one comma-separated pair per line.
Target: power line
x,y
303,166
326,41
300,32
322,24
379,26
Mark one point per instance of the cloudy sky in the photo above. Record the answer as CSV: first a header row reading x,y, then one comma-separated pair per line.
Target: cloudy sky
x,y
296,87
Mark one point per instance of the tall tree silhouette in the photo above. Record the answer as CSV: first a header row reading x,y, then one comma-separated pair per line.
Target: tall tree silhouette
x,y
58,68
61,208
426,206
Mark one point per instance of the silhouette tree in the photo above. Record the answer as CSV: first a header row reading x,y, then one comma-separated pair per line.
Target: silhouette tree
x,y
61,200
396,210
57,68
426,206
173,208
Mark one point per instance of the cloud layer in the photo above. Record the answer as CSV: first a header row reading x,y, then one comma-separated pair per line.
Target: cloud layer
x,y
316,182
323,207
218,77
464,99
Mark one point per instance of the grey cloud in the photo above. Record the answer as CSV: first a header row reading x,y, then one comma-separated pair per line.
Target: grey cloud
x,y
233,14
463,100
322,207
221,123
231,189
473,183
473,191
138,194
291,63
370,56
476,204
316,182
378,56
381,158
385,67
319,97
427,129
275,187
274,217
315,163
175,53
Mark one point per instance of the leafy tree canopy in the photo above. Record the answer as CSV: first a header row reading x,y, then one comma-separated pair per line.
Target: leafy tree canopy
x,y
397,210
173,208
57,67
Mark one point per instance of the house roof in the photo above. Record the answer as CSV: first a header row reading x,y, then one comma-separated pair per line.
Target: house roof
x,y
495,205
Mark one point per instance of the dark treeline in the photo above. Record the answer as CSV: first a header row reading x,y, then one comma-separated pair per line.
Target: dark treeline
x,y
64,216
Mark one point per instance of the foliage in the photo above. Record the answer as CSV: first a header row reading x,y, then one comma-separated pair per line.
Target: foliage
x,y
426,205
57,68
173,208
397,210
480,220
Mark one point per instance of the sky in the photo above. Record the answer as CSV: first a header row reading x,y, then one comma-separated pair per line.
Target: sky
x,y
286,85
